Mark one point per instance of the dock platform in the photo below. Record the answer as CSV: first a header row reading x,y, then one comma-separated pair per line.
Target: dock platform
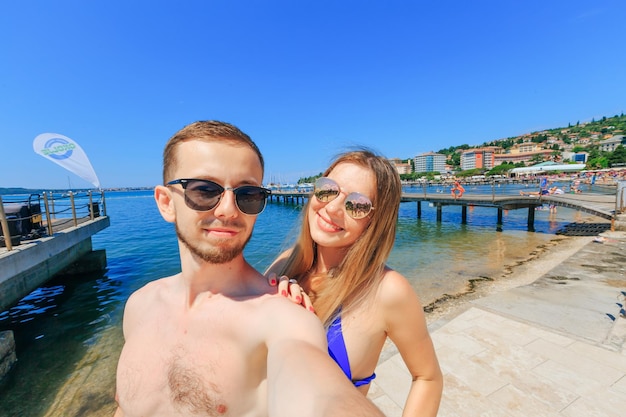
x,y
57,237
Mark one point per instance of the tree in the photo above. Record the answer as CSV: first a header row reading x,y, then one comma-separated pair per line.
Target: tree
x,y
597,163
617,157
501,169
309,180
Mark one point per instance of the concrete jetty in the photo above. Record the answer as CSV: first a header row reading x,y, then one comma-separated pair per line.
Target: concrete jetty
x,y
34,262
555,347
66,246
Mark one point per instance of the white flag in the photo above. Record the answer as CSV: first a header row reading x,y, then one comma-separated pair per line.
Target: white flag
x,y
67,153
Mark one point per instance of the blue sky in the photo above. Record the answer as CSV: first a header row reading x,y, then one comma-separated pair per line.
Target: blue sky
x,y
305,79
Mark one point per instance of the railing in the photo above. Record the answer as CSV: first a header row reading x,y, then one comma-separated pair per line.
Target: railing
x,y
22,217
620,202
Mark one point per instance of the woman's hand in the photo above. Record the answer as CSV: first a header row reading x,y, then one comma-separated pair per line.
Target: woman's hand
x,y
291,289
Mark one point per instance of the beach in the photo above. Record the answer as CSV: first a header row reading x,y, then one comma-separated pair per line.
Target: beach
x,y
524,272
89,390
547,339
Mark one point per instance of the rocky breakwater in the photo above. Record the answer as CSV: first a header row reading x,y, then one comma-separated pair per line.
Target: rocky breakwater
x,y
7,353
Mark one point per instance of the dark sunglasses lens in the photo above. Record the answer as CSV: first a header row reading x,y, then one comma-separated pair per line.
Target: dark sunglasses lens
x,y
326,190
202,195
250,199
358,206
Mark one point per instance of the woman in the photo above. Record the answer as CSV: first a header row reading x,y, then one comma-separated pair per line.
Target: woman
x,y
348,231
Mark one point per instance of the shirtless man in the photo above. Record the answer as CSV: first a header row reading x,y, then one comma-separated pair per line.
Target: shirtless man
x,y
214,340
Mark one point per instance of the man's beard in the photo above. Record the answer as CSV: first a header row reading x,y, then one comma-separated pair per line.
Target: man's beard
x,y
213,254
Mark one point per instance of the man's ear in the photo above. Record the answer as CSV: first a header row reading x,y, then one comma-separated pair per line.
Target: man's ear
x,y
163,198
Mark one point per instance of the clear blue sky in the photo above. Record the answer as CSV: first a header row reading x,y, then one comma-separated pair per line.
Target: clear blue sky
x,y
305,79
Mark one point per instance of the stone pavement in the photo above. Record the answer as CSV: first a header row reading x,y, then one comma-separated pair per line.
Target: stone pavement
x,y
556,347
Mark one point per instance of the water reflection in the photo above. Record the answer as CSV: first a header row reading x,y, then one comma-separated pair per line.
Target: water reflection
x,y
53,326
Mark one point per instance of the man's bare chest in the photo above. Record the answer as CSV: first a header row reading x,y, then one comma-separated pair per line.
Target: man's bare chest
x,y
196,367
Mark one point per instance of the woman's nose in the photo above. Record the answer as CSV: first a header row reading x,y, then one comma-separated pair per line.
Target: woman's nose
x,y
336,206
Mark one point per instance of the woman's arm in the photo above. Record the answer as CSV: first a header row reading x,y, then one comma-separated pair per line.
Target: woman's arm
x,y
406,327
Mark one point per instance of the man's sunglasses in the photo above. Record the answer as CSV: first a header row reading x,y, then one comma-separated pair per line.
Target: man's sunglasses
x,y
357,205
205,195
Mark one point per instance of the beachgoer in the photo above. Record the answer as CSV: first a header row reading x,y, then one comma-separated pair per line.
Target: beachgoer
x,y
214,339
348,231
535,193
457,190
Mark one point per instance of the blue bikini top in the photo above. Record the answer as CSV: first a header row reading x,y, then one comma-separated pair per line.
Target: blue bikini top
x,y
337,351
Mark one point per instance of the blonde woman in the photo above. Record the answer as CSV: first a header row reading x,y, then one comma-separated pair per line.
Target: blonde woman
x,y
338,260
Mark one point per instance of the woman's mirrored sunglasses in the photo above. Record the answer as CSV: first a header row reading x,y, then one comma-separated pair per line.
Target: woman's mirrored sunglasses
x,y
357,205
205,195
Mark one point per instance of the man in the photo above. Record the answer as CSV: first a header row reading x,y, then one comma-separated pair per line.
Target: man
x,y
214,340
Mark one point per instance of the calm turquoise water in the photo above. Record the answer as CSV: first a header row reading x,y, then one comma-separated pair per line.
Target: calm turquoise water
x,y
57,323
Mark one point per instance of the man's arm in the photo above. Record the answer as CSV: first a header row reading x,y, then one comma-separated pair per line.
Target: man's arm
x,y
302,379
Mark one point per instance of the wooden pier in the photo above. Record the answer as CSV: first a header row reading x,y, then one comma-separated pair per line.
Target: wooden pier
x,y
601,205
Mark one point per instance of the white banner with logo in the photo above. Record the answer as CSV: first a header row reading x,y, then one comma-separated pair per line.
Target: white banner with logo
x,y
67,153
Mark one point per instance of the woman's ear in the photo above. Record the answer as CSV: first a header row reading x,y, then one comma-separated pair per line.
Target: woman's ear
x,y
163,198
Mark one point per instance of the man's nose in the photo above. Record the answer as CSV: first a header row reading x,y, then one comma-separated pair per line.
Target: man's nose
x,y
227,206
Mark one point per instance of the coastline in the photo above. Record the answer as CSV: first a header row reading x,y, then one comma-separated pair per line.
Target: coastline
x,y
547,339
545,257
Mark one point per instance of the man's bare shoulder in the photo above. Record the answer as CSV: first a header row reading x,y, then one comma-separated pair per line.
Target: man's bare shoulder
x,y
142,300
287,319
151,289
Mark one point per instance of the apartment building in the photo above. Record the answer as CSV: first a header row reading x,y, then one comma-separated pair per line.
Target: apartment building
x,y
611,143
483,158
430,162
401,166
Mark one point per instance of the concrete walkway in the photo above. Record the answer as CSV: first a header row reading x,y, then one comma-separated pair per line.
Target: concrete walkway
x,y
556,347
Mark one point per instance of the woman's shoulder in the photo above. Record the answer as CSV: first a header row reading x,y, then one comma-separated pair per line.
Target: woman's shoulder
x,y
279,262
395,288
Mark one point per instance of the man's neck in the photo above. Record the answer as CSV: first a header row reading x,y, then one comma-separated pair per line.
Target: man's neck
x,y
233,279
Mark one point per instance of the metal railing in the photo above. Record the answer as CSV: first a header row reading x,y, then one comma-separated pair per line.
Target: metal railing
x,y
620,201
21,217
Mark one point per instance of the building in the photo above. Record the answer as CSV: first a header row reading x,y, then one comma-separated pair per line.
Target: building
x,y
580,157
545,168
517,157
481,158
401,166
430,162
610,144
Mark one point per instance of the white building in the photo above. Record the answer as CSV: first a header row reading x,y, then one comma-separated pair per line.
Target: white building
x,y
430,162
610,144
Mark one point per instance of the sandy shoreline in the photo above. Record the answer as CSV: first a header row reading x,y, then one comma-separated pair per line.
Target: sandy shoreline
x,y
544,258
523,272
90,388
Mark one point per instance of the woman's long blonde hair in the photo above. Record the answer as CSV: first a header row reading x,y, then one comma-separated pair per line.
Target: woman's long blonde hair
x,y
361,270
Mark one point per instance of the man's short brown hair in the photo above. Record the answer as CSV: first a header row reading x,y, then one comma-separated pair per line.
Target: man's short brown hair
x,y
211,130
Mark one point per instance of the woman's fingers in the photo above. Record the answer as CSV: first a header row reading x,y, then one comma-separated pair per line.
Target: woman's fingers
x,y
283,286
291,289
271,279
306,302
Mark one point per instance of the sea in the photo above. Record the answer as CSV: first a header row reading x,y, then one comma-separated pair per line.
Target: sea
x,y
68,333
